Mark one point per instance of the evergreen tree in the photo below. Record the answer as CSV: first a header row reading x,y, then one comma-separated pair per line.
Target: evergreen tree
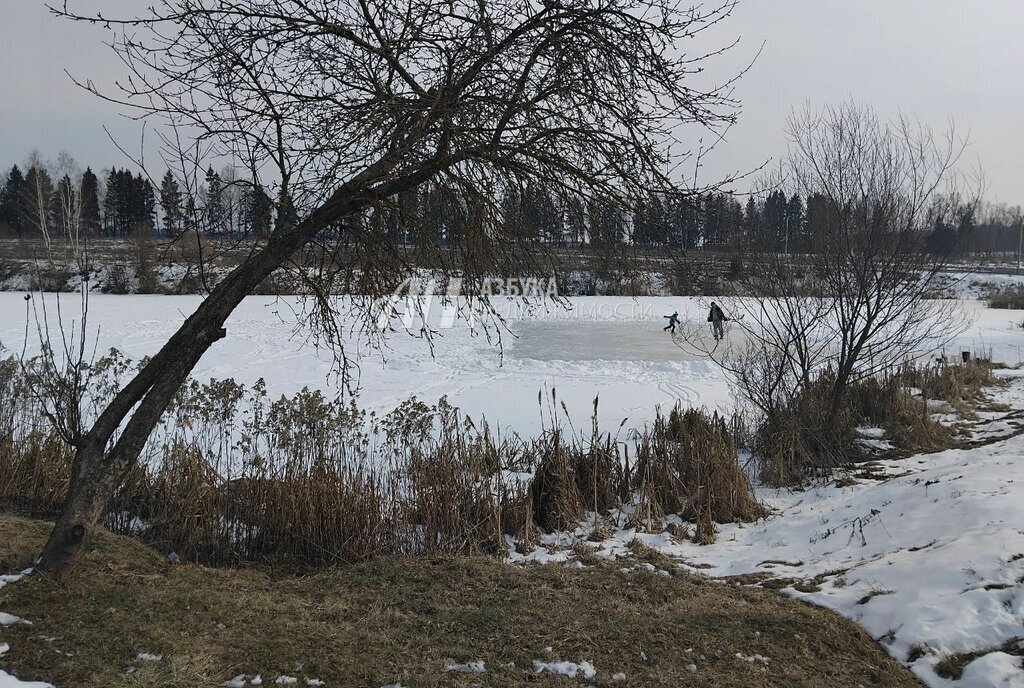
x,y
733,228
575,221
258,211
607,226
215,216
795,224
10,200
89,208
143,206
170,203
117,202
540,215
443,217
817,220
691,225
772,234
751,221
287,215
715,207
650,225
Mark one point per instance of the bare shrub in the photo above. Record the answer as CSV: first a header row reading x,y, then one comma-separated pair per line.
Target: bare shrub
x,y
805,439
120,279
145,267
1010,296
50,277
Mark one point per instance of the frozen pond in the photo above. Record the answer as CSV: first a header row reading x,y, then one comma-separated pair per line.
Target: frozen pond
x,y
609,341
607,347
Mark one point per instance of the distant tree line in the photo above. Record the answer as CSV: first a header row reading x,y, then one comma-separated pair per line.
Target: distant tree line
x,y
117,203
57,199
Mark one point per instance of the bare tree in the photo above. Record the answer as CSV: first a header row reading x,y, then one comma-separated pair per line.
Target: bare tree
x,y
860,300
342,108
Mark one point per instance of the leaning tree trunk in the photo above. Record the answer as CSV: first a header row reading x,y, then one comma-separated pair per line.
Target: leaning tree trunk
x,y
98,472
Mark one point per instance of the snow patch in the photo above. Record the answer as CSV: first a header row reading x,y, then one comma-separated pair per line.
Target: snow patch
x,y
474,667
9,681
568,669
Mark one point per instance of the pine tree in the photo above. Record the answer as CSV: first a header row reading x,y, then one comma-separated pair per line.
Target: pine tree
x,y
170,203
258,211
818,217
119,204
751,221
143,206
214,202
287,216
795,223
772,235
89,209
650,225
10,200
607,226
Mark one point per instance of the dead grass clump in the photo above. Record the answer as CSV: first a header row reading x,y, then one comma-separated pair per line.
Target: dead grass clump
x,y
952,665
1010,296
961,386
804,439
687,465
554,492
907,420
807,439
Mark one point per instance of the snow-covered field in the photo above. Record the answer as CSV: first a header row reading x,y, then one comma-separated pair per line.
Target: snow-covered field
x,y
931,562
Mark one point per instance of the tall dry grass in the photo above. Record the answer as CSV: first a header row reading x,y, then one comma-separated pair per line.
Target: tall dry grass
x,y
805,439
232,476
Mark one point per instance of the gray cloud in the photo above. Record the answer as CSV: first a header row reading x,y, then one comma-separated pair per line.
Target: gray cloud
x,y
934,59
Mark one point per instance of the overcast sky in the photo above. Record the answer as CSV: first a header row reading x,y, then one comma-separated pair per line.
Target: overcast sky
x,y
933,59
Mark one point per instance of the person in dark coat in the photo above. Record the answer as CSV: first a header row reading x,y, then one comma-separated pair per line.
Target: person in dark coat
x,y
717,319
673,320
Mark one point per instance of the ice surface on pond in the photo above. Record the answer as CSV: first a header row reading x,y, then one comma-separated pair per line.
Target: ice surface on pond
x,y
604,341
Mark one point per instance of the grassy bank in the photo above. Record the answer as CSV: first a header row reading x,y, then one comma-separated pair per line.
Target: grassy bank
x,y
401,620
